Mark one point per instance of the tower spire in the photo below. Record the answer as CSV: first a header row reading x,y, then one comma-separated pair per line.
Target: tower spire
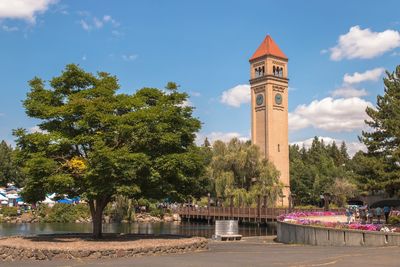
x,y
268,47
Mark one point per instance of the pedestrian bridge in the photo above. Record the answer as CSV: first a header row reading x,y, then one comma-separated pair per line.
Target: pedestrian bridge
x,y
242,214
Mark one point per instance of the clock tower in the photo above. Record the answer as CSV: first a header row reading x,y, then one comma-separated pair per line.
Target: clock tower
x,y
269,108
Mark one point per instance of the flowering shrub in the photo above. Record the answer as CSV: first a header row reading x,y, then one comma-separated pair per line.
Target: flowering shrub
x,y
395,213
301,218
302,214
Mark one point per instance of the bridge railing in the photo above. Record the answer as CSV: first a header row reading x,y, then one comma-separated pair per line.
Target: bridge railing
x,y
238,212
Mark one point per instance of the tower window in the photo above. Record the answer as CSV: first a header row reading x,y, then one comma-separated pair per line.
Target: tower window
x,y
279,148
259,72
277,71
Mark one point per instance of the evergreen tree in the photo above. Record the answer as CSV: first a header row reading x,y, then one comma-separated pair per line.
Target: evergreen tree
x,y
384,139
313,172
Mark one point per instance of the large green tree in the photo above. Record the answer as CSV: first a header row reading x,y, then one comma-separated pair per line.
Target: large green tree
x,y
383,139
99,144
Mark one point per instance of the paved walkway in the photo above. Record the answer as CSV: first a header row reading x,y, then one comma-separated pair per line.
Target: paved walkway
x,y
251,252
336,218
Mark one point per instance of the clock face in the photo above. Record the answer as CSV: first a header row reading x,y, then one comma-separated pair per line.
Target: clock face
x,y
259,99
278,99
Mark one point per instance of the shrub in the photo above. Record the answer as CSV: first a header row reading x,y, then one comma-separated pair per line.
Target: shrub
x,y
64,213
43,210
154,211
9,211
394,220
143,202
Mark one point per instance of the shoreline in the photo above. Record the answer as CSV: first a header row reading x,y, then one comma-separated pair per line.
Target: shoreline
x,y
139,218
83,246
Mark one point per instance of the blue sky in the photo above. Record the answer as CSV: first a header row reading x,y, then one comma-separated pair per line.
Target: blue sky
x,y
337,53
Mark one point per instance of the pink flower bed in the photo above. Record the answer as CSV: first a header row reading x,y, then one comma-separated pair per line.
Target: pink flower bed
x,y
301,218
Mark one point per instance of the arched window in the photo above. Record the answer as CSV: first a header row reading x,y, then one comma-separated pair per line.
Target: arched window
x,y
256,72
263,71
280,72
274,70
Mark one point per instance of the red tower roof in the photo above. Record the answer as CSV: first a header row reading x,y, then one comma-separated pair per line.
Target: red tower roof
x,y
268,47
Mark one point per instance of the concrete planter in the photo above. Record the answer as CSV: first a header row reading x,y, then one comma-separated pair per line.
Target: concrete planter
x,y
321,236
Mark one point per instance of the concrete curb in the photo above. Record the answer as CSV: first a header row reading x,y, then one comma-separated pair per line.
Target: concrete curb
x,y
289,233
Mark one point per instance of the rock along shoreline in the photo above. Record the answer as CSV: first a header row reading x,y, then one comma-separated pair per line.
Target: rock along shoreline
x,y
82,246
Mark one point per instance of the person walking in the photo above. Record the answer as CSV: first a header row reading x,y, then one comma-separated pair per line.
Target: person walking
x,y
370,215
363,215
386,211
378,212
349,214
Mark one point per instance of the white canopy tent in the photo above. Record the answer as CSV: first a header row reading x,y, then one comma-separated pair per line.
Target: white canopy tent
x,y
48,201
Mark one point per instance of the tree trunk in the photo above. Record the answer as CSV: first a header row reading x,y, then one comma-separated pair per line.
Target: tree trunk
x,y
96,209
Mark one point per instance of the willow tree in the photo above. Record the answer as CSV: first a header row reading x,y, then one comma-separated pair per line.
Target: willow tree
x,y
238,169
98,144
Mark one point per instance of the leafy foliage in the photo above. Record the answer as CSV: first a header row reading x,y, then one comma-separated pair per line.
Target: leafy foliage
x,y
9,170
98,144
64,213
9,211
237,169
318,170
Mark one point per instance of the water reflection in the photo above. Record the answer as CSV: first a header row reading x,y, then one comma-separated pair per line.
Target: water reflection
x,y
183,228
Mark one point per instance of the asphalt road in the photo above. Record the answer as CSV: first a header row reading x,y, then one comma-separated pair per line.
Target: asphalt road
x,y
251,252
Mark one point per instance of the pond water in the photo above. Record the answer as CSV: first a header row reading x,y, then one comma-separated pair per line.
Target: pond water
x,y
183,228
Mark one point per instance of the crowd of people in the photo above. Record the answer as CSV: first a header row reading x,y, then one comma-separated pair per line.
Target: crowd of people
x,y
366,214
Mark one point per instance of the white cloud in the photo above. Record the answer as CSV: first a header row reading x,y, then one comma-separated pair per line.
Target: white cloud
x,y
337,115
364,43
297,122
109,19
195,94
236,96
91,22
85,25
187,103
97,23
347,92
352,147
9,29
24,9
369,75
36,129
129,57
225,137
117,33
